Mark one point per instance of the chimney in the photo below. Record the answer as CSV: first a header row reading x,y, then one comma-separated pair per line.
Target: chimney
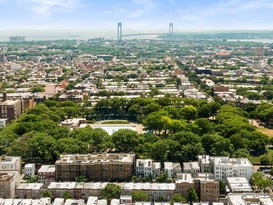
x,y
4,96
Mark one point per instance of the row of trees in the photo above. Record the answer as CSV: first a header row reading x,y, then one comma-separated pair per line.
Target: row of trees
x,y
177,130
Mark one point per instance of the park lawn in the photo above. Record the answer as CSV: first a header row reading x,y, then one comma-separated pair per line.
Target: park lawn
x,y
119,122
266,131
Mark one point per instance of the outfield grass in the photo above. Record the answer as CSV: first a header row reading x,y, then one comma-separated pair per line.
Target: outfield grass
x,y
266,131
119,122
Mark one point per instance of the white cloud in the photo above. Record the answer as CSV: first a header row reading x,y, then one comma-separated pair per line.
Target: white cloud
x,y
48,7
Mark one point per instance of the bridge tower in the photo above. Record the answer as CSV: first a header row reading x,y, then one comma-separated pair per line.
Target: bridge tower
x,y
171,31
119,31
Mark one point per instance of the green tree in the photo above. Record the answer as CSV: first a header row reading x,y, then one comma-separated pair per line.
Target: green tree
x,y
157,121
47,194
37,89
223,147
67,195
260,182
192,195
265,160
222,187
139,195
111,191
178,198
185,146
205,125
125,140
188,112
163,178
159,151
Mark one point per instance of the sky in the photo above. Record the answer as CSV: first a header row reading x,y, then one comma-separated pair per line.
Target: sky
x,y
136,15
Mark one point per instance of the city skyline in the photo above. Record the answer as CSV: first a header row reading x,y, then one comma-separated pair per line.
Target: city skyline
x,y
136,14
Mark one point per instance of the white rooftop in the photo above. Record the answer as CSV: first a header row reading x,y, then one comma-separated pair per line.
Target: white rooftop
x,y
62,185
32,186
149,186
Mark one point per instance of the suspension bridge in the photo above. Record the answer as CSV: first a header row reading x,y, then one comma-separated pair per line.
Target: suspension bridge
x,y
121,34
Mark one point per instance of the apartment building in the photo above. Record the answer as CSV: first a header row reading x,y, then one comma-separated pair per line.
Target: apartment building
x,y
144,167
223,167
11,109
96,167
208,189
7,184
183,183
205,186
47,174
8,163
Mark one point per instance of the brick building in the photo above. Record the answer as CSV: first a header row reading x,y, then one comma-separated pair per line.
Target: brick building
x,y
7,184
96,167
11,109
206,188
46,174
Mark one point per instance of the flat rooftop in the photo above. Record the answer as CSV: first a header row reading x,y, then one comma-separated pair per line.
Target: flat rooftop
x,y
96,158
33,186
62,185
149,186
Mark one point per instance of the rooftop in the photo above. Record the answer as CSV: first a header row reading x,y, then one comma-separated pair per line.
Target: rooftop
x,y
182,177
96,158
9,102
62,185
33,186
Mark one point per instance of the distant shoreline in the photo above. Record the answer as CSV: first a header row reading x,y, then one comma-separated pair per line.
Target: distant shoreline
x,y
263,36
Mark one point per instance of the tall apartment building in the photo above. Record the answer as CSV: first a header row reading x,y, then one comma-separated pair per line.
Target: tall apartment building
x,y
96,167
223,167
7,184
